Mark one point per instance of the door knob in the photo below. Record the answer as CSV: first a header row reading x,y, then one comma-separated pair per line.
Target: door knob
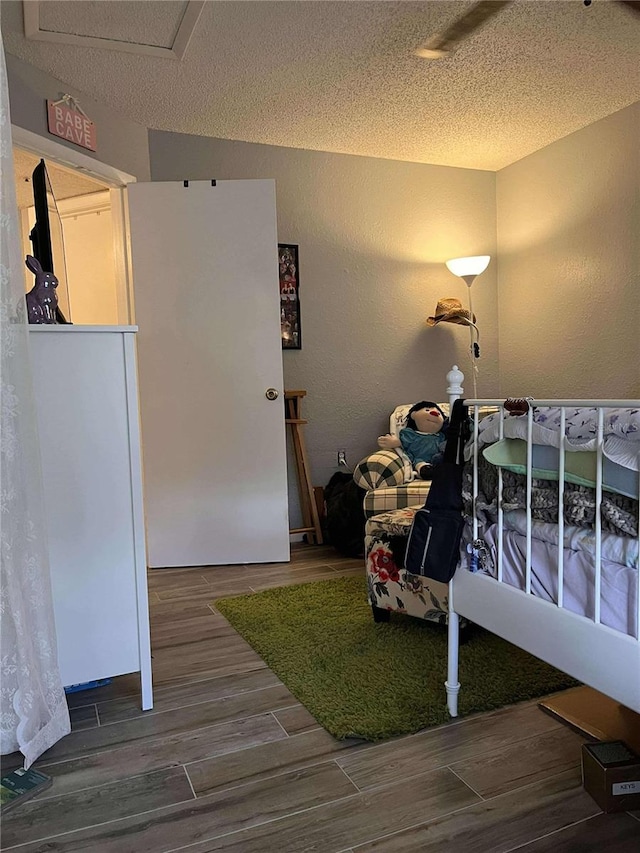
x,y
271,394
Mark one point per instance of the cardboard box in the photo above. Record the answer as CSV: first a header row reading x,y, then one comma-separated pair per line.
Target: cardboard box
x,y
595,715
611,775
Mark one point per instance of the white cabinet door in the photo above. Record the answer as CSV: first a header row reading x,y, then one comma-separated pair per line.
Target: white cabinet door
x,y
85,387
205,280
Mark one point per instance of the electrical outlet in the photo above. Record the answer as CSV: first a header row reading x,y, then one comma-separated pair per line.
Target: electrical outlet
x,y
342,457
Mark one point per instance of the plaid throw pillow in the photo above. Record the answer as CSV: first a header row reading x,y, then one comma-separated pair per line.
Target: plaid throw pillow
x,y
398,497
384,468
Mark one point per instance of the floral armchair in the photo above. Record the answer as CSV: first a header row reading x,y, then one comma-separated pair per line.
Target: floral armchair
x,y
388,476
392,495
391,588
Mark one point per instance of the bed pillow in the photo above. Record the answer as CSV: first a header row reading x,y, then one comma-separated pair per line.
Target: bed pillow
x,y
580,466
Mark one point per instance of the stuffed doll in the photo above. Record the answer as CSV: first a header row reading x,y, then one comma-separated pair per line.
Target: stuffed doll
x,y
422,439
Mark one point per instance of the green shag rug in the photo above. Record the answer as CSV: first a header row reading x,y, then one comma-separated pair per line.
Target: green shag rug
x,y
374,681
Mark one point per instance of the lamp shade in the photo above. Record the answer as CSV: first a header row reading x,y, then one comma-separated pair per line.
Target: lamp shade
x,y
465,267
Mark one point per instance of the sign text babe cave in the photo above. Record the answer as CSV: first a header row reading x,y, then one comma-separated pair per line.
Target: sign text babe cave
x,y
68,121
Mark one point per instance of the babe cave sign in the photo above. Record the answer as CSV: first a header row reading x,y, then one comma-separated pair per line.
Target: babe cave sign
x,y
71,124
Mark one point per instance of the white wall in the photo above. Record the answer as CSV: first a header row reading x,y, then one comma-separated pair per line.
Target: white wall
x,y
122,143
569,264
373,237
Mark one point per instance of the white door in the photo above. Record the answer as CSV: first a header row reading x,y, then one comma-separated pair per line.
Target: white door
x,y
205,282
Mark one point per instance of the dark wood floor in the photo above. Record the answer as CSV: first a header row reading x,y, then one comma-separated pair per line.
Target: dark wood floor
x,y
228,760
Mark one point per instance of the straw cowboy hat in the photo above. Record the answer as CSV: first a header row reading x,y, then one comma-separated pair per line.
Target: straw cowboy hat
x,y
450,311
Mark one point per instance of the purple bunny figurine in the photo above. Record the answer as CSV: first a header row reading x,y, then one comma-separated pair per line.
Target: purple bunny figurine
x,y
42,299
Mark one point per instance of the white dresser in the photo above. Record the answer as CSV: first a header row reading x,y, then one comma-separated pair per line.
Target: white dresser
x,y
87,401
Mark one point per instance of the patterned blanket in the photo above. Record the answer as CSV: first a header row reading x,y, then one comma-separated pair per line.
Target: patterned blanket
x,y
619,513
621,431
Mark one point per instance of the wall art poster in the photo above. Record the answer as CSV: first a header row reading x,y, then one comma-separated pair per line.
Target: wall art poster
x,y
289,296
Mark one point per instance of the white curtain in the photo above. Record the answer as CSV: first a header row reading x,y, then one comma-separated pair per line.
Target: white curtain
x,y
33,709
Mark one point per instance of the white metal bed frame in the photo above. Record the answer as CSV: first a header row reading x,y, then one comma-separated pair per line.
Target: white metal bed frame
x,y
599,656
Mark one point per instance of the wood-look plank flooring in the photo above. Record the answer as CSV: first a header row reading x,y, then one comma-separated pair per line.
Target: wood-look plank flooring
x,y
229,760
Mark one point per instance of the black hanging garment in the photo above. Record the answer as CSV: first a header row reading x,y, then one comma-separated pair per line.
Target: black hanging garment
x,y
434,540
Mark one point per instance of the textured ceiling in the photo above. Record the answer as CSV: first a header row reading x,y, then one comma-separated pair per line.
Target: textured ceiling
x,y
342,76
152,22
65,183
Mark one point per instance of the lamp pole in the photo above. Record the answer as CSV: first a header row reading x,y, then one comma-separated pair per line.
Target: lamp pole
x,y
472,348
469,269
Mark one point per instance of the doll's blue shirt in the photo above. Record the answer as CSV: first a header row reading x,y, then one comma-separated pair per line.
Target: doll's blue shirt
x,y
421,447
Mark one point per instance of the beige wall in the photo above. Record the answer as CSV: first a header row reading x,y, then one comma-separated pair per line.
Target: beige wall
x,y
88,248
88,257
373,237
569,268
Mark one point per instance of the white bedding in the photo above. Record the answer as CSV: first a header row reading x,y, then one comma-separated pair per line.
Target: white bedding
x,y
619,568
619,549
621,431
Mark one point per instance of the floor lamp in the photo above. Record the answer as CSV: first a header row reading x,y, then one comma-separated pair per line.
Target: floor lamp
x,y
469,269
